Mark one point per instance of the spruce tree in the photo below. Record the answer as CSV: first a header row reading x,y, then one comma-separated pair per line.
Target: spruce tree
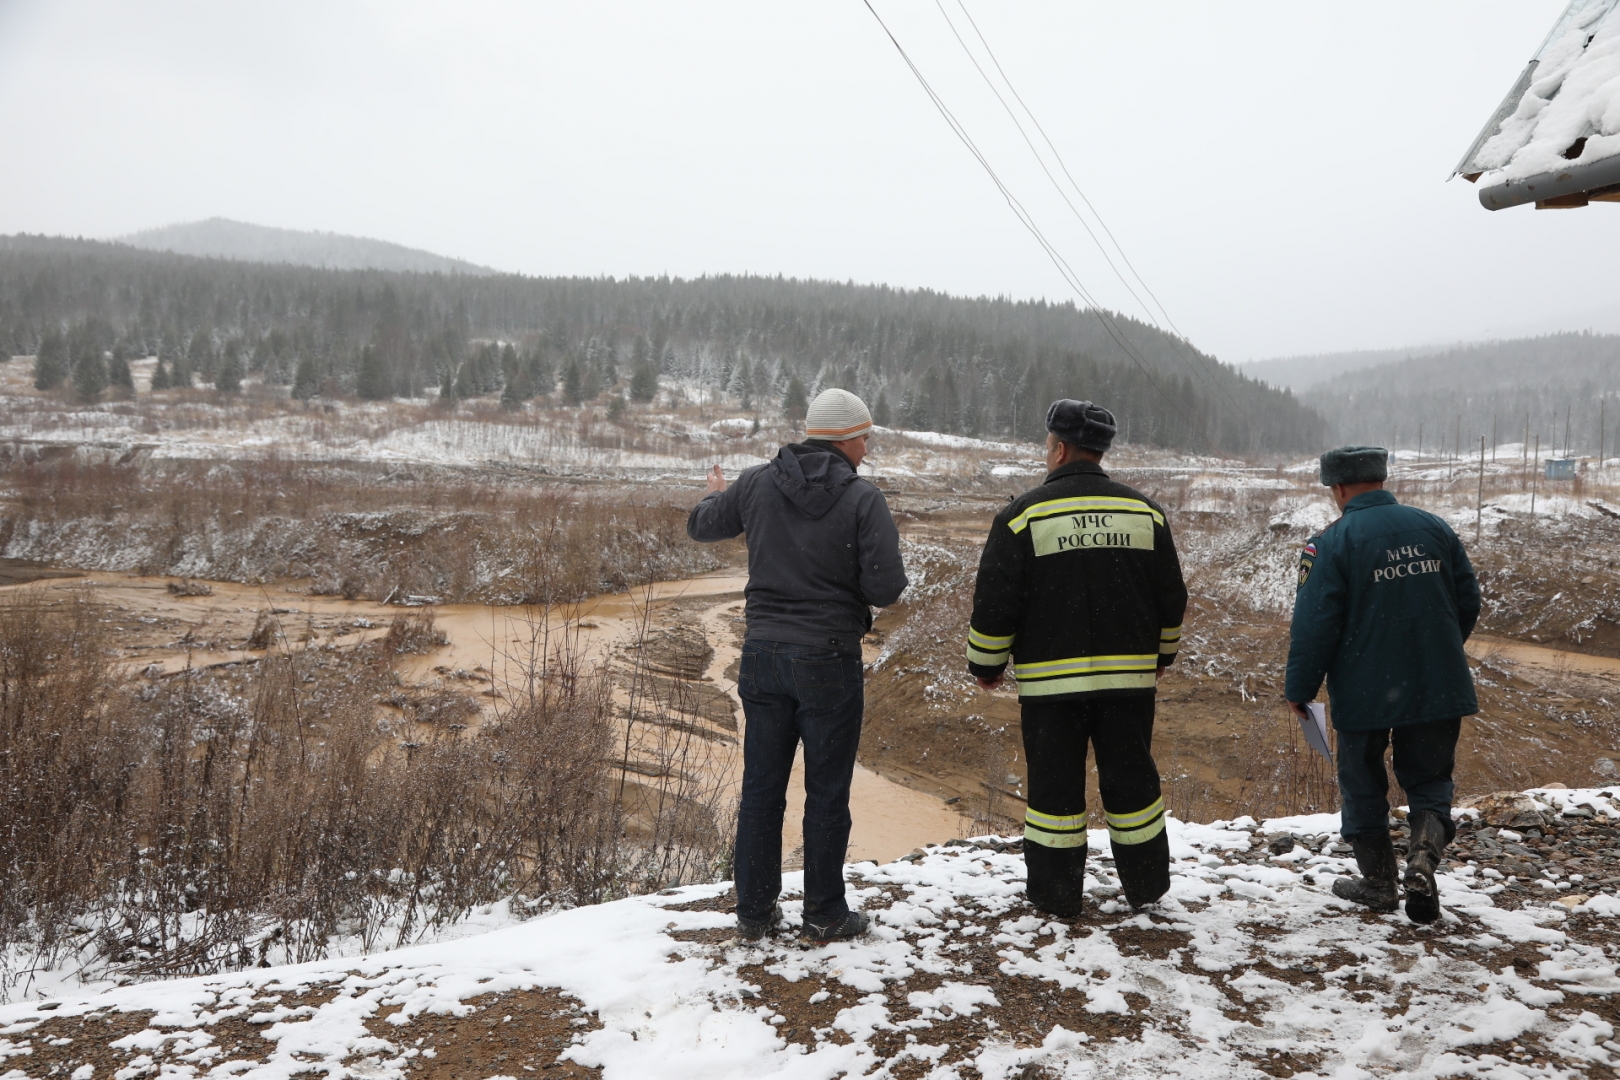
x,y
228,375
306,381
880,411
616,408
447,387
160,376
794,402
200,357
119,377
573,384
517,389
542,380
89,375
51,361
644,381
373,383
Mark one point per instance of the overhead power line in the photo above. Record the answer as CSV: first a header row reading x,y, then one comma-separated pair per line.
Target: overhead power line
x,y
1027,220
1200,365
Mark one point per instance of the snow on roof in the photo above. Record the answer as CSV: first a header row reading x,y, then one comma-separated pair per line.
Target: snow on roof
x,y
1555,139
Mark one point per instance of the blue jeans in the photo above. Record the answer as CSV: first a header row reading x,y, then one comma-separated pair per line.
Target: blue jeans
x,y
792,693
1424,757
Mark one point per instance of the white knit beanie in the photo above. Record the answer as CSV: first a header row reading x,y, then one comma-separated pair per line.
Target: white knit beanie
x,y
836,415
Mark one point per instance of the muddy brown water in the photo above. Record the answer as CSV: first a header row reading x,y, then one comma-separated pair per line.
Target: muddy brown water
x,y
159,632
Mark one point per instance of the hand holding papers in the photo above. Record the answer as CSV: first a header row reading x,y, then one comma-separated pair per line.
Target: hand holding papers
x,y
1314,725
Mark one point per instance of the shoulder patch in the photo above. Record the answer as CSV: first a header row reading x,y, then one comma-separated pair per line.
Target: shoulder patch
x,y
1307,559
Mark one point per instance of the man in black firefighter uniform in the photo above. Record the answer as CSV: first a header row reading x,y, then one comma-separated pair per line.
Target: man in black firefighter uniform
x,y
1080,586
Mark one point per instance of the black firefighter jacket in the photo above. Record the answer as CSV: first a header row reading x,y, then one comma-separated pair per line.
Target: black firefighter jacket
x,y
1079,583
822,547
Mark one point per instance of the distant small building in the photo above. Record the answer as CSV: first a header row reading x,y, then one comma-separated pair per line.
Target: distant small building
x,y
1561,468
1555,139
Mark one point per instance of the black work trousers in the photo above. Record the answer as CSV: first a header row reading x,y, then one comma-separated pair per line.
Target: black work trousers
x,y
1424,757
1120,729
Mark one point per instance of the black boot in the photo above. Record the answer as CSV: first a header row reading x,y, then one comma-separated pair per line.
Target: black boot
x,y
1424,853
1375,888
1056,881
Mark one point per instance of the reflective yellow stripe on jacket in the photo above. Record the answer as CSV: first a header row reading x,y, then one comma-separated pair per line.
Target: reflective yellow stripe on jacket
x,y
1080,505
1169,640
1053,831
987,649
1139,826
1083,673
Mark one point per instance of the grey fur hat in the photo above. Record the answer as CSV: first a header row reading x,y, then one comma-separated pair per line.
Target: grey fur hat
x,y
1354,465
1088,426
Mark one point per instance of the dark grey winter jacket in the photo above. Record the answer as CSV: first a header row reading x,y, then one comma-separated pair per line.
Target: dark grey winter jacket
x,y
822,548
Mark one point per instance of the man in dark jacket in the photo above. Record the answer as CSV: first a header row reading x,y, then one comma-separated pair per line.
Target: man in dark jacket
x,y
1386,599
822,552
1079,583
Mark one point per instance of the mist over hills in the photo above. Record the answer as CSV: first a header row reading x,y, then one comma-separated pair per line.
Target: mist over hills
x,y
1491,387
924,360
222,238
1299,373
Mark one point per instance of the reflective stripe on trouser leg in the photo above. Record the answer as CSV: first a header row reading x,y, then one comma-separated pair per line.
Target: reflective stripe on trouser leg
x,y
1055,831
1137,827
1141,850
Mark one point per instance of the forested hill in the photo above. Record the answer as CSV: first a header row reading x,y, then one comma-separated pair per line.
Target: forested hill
x,y
1472,390
925,360
222,238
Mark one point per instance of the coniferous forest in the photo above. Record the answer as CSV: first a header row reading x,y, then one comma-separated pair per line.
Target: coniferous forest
x,y
921,359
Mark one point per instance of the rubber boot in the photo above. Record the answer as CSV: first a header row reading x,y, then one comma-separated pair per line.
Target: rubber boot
x,y
1144,870
1056,882
1424,853
1375,888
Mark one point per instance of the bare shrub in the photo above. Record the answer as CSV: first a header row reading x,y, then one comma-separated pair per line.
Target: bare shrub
x,y
223,817
64,766
414,633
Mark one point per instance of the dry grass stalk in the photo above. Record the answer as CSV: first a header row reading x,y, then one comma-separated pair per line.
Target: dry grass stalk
x,y
230,817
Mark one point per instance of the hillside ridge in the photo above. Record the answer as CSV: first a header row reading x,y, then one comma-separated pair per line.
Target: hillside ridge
x,y
224,238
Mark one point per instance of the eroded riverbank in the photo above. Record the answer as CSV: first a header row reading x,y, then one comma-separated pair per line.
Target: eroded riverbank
x,y
489,650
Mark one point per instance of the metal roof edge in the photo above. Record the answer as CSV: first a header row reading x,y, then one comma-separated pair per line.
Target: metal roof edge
x,y
1586,176
1514,95
1503,111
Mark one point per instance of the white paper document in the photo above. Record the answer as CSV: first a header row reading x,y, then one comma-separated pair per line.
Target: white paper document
x,y
1314,724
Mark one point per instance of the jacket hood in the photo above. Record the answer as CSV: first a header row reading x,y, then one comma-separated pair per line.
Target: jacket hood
x,y
812,479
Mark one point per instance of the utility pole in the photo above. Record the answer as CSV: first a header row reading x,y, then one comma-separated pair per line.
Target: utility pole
x,y
1457,442
1535,478
1479,503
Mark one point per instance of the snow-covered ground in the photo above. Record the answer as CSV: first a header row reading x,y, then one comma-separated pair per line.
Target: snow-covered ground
x,y
1249,968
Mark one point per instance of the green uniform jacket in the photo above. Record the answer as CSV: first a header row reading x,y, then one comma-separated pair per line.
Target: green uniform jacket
x,y
1386,599
1080,585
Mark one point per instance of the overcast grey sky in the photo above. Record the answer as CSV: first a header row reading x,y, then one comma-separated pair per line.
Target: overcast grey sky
x,y
1276,171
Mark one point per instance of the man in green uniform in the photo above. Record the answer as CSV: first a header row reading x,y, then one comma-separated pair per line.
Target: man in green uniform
x,y
1079,583
1386,599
